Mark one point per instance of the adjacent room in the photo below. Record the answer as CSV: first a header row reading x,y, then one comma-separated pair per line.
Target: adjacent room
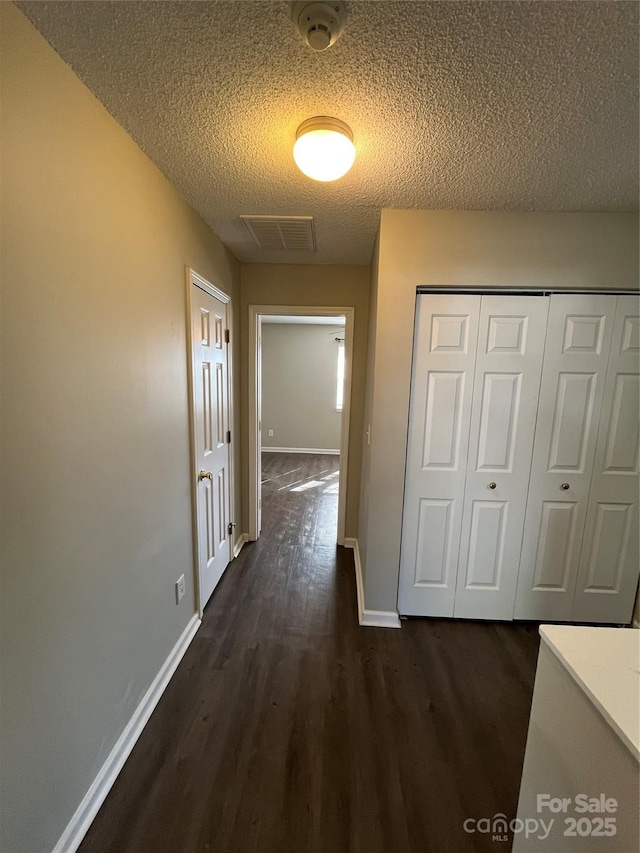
x,y
319,469
302,390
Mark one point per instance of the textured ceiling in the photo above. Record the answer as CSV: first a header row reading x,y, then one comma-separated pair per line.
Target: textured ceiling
x,y
469,105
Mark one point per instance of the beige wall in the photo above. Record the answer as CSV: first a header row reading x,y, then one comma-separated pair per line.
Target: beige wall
x,y
331,286
457,248
363,520
299,383
95,443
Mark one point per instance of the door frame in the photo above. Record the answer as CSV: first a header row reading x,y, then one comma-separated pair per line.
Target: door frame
x,y
193,279
255,313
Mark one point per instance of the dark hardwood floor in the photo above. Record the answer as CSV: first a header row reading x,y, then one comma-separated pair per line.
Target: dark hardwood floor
x,y
287,728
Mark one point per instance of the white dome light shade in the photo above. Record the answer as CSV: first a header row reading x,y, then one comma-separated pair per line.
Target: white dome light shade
x,y
324,148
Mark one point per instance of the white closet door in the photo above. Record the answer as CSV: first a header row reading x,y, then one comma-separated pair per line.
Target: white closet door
x,y
505,401
443,366
608,573
575,363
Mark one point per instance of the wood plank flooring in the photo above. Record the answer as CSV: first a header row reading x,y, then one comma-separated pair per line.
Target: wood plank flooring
x,y
287,728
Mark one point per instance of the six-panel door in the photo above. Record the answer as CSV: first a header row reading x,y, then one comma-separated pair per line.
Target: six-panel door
x,y
503,417
608,571
575,365
444,356
209,322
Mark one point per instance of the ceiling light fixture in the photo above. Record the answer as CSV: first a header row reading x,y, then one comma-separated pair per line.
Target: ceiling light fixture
x,y
324,148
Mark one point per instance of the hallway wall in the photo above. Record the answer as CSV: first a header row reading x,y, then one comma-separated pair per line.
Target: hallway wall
x,y
96,514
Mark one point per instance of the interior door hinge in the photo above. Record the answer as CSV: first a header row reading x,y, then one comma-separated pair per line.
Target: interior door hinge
x,y
226,336
230,526
228,436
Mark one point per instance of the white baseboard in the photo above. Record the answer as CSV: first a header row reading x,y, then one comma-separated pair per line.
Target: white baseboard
x,y
330,452
240,541
369,618
380,619
81,821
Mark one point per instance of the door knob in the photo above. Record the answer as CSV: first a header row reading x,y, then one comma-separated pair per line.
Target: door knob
x,y
205,475
565,486
492,485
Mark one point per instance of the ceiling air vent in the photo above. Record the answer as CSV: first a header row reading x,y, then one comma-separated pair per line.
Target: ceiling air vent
x,y
282,233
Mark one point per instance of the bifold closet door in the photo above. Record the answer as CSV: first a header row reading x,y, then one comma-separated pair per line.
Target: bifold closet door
x,y
577,347
444,355
503,415
476,378
608,573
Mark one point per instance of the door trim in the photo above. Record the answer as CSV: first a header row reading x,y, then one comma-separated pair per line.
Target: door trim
x,y
483,290
255,312
193,279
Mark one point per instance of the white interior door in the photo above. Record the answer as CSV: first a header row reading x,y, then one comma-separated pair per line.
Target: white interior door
x,y
503,414
444,357
574,369
211,416
608,573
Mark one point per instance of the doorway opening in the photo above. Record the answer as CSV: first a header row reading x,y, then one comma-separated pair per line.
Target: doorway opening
x,y
300,393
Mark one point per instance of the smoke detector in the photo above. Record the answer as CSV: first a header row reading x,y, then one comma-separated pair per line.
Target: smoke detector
x,y
319,24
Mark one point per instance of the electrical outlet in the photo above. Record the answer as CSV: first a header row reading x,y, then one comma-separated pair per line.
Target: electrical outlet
x,y
270,433
179,588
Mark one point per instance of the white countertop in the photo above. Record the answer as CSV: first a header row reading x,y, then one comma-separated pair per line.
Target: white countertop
x,y
605,662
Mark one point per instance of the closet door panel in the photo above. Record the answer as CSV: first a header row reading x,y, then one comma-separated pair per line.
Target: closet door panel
x,y
572,421
444,356
576,355
506,387
608,573
556,551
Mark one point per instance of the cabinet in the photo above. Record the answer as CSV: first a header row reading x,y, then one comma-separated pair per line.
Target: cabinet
x,y
583,739
521,490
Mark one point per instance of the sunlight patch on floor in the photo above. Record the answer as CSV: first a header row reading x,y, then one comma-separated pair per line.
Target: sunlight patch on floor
x,y
312,484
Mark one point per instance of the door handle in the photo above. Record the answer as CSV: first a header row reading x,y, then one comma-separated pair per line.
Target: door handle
x,y
565,486
492,485
205,475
